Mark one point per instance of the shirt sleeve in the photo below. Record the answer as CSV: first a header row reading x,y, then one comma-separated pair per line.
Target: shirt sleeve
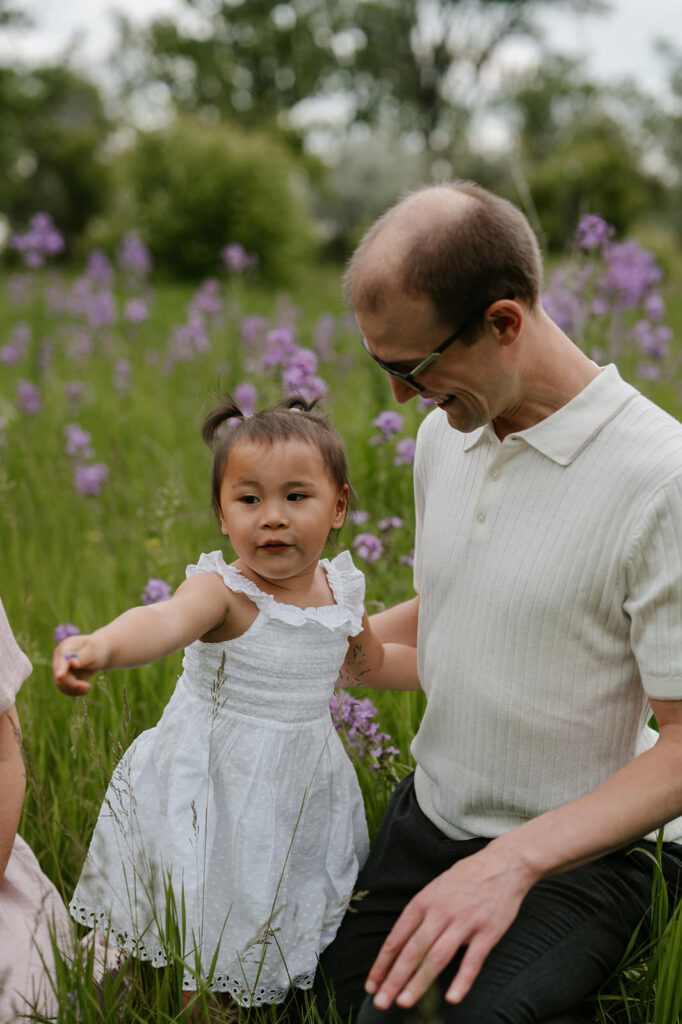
x,y
654,593
14,665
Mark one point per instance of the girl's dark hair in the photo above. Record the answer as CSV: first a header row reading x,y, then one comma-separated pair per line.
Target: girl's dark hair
x,y
294,418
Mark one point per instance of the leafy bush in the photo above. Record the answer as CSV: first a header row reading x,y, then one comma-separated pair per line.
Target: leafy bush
x,y
196,188
52,131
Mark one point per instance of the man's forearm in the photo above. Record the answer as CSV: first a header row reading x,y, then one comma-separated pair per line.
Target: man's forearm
x,y
643,795
398,625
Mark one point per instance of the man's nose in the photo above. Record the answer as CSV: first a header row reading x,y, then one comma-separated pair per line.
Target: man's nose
x,y
402,390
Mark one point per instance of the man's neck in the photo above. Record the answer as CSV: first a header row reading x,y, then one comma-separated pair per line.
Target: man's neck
x,y
552,371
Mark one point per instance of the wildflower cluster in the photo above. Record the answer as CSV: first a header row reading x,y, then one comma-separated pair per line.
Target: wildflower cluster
x,y
64,630
607,299
38,243
236,259
88,477
355,721
156,591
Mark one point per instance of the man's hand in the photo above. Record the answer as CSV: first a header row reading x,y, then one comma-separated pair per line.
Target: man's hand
x,y
74,661
471,904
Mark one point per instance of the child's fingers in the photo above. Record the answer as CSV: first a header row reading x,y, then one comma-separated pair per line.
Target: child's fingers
x,y
72,666
72,686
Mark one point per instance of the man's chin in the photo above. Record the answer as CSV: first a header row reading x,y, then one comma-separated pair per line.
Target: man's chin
x,y
460,417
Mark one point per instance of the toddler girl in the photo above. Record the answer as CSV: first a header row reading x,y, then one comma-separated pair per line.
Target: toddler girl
x,y
241,806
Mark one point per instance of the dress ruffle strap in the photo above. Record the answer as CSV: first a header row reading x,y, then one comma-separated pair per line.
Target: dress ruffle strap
x,y
346,581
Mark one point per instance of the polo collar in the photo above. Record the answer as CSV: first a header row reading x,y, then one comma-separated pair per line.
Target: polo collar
x,y
563,435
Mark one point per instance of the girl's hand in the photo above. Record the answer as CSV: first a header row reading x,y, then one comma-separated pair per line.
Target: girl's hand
x,y
74,661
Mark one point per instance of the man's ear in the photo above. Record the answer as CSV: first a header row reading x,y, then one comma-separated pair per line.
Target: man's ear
x,y
505,317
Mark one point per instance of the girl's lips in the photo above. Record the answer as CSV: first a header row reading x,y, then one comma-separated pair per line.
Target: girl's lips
x,y
275,546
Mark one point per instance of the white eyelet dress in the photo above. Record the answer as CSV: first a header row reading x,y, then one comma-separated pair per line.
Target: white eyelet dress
x,y
242,801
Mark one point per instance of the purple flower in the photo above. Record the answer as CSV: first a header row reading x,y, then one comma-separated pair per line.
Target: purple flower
x,y
99,269
652,339
311,389
237,259
42,239
156,591
299,374
90,479
74,392
28,398
64,630
21,337
245,396
12,353
358,517
404,452
355,721
391,522
368,547
78,442
279,346
133,256
654,306
563,305
389,423
632,273
122,372
648,372
408,560
592,232
253,327
207,299
425,404
136,311
190,338
101,309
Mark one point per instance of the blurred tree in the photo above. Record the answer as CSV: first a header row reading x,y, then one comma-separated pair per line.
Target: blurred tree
x,y
52,131
196,188
403,65
580,148
11,15
665,125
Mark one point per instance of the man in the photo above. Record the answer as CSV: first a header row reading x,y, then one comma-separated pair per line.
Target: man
x,y
548,569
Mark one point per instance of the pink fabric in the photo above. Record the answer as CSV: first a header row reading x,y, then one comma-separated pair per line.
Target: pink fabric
x,y
14,665
32,914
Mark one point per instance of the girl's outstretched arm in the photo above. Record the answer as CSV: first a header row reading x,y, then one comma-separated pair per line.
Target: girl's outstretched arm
x,y
140,635
387,666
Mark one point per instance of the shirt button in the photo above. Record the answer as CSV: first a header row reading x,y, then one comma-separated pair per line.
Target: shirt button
x,y
494,474
480,516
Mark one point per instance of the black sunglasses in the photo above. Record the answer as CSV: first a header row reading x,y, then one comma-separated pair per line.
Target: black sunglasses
x,y
409,377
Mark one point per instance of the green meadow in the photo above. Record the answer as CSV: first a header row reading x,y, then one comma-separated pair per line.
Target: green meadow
x,y
82,558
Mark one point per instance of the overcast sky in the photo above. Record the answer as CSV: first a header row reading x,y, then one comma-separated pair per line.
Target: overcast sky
x,y
615,45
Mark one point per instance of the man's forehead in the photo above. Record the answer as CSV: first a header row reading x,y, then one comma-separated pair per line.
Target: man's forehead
x,y
420,217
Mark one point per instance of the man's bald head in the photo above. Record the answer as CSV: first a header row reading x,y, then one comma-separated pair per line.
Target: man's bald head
x,y
457,244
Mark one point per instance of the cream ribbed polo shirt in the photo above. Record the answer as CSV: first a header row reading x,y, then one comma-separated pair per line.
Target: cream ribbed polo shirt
x,y
549,568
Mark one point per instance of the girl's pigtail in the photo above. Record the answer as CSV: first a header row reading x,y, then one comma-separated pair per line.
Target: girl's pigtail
x,y
299,403
227,410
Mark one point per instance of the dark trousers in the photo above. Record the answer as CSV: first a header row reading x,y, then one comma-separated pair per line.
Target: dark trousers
x,y
570,933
